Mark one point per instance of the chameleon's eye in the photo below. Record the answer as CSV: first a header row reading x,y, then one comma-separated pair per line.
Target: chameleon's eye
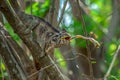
x,y
49,34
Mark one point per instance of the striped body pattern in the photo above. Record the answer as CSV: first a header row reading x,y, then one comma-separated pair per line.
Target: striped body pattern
x,y
49,37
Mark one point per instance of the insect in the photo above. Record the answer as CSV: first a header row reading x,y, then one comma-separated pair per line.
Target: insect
x,y
92,40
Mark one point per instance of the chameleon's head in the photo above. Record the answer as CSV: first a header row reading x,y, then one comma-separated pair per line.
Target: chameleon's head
x,y
61,39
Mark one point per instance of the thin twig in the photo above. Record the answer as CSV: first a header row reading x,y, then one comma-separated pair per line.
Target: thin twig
x,y
88,49
84,7
73,58
51,11
112,63
62,12
35,73
31,7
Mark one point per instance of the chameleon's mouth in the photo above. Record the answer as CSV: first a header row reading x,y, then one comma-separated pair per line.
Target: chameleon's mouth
x,y
66,38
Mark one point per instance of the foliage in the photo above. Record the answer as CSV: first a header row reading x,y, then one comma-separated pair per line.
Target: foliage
x,y
38,9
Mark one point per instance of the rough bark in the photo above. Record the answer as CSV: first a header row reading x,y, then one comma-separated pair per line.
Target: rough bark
x,y
13,66
20,55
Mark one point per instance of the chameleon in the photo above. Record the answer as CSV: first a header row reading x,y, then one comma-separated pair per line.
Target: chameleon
x,y
47,36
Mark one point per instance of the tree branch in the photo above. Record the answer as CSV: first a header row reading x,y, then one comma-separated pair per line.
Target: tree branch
x,y
53,12
62,12
20,55
112,63
76,9
13,67
15,5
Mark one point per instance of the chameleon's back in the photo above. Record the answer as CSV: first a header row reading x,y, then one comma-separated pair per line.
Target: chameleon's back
x,y
49,37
